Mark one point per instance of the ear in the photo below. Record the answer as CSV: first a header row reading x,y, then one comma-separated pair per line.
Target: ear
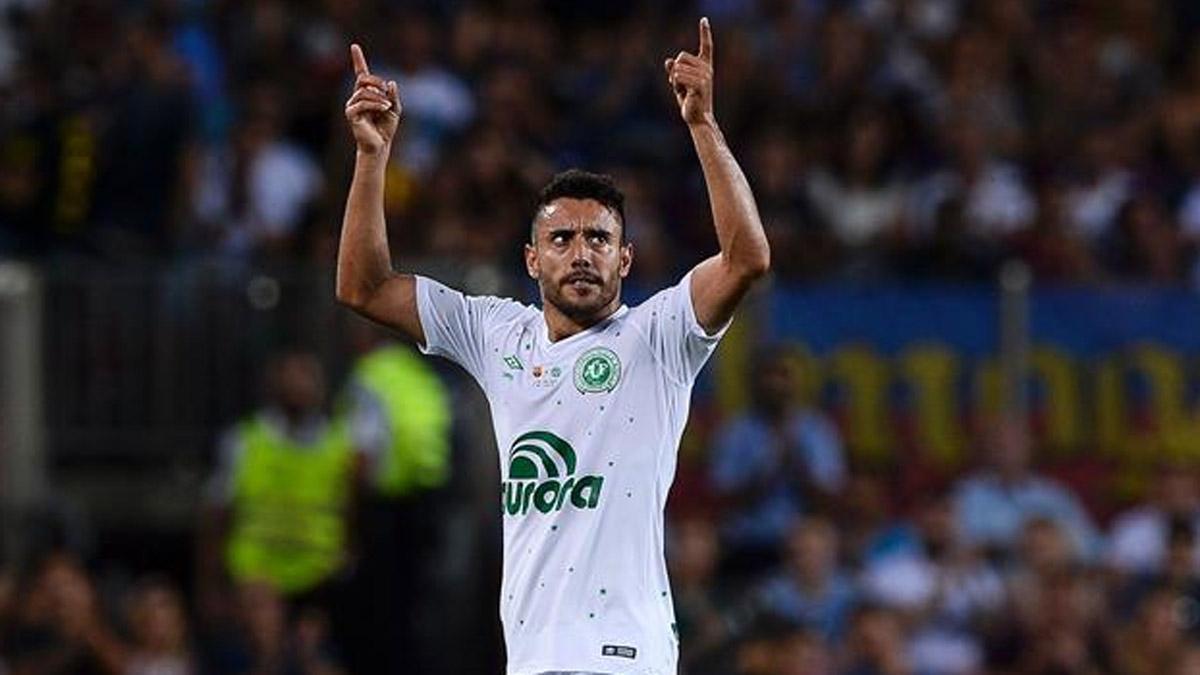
x,y
531,262
626,259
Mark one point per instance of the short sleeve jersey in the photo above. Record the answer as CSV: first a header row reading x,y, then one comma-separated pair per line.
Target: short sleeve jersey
x,y
587,429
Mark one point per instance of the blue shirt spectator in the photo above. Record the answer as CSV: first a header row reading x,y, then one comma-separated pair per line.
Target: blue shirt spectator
x,y
993,504
774,462
812,591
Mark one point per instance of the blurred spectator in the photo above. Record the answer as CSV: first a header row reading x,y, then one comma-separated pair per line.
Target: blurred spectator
x,y
281,498
1152,640
1187,660
400,417
812,591
251,196
1139,538
1054,251
143,143
877,643
1043,551
780,649
859,194
994,502
261,640
803,652
437,103
158,627
1144,244
59,625
1056,608
1178,574
802,244
944,588
701,610
776,461
1101,184
995,201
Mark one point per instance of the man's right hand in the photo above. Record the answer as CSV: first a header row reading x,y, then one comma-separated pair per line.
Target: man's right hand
x,y
373,110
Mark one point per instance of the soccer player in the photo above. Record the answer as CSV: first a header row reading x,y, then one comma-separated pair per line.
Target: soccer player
x,y
588,396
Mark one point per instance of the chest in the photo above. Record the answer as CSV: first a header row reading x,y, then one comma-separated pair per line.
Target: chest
x,y
581,374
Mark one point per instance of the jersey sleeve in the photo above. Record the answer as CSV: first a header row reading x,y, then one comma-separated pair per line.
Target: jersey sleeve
x,y
456,325
676,337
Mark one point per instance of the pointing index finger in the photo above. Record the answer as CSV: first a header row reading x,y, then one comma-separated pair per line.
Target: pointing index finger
x,y
706,40
359,61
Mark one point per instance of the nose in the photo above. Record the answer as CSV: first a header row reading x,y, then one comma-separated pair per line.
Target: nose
x,y
580,254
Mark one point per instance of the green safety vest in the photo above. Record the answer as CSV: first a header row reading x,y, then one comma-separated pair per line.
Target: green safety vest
x,y
289,507
417,408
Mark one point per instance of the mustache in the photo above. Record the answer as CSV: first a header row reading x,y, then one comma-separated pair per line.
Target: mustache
x,y
581,276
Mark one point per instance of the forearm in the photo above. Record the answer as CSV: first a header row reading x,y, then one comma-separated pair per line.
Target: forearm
x,y
364,262
735,214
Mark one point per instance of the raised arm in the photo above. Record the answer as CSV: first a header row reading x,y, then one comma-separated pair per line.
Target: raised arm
x,y
719,282
366,281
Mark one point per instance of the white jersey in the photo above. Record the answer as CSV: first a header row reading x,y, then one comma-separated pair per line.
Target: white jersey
x,y
587,428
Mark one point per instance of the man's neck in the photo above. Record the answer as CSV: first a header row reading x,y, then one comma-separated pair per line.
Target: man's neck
x,y
559,326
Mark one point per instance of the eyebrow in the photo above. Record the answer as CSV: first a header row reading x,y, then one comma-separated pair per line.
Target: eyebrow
x,y
587,232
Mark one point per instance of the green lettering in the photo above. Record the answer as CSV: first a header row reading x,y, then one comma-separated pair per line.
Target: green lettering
x,y
591,485
564,493
512,497
525,498
546,495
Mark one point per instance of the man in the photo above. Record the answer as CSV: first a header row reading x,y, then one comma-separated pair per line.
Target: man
x,y
399,413
281,499
1140,537
994,503
588,397
775,462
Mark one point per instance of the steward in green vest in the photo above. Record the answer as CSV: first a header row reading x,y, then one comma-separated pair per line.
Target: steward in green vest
x,y
397,393
400,415
290,507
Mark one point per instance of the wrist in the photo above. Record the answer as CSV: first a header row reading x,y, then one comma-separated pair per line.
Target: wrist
x,y
373,158
706,123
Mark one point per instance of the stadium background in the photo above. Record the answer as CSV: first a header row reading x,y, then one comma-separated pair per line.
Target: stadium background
x,y
960,196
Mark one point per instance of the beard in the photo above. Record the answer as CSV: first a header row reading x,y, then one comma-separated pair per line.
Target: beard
x,y
584,303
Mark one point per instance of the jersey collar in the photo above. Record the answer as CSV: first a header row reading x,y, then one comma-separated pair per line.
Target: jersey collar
x,y
544,330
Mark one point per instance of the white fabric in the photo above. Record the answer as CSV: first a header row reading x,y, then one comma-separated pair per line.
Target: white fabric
x,y
1138,540
578,580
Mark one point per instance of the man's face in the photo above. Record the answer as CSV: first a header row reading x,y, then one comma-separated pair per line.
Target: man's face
x,y
300,385
577,257
775,384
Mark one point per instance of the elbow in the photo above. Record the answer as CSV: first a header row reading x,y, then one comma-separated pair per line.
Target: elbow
x,y
759,266
756,265
350,297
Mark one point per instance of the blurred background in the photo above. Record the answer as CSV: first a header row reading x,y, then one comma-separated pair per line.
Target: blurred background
x,y
956,433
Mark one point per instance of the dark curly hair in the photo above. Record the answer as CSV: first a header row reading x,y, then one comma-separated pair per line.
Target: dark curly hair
x,y
580,184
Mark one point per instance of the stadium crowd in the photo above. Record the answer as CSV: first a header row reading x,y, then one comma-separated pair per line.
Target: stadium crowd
x,y
910,138
885,139
785,559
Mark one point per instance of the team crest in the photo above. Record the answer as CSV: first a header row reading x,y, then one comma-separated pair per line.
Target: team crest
x,y
597,370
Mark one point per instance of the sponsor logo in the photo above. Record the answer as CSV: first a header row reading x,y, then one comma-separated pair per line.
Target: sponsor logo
x,y
546,378
541,476
619,650
597,370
